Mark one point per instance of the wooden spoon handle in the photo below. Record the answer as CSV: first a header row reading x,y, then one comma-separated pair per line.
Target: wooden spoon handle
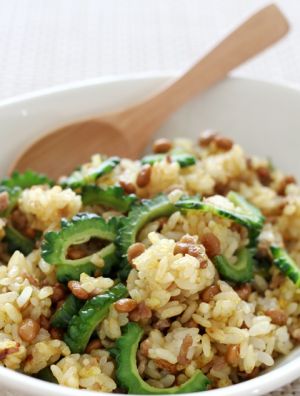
x,y
251,37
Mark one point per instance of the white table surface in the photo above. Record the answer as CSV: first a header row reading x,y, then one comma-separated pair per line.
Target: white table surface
x,y
50,42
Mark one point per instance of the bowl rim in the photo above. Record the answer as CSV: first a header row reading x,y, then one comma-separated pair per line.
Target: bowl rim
x,y
108,79
255,386
267,382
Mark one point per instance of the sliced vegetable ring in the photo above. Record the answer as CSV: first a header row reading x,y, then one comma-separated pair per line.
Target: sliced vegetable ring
x,y
127,373
26,180
243,212
18,241
140,215
111,197
77,179
83,324
80,229
64,314
286,264
241,271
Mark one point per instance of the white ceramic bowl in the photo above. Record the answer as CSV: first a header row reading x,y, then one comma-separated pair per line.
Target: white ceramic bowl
x,y
264,118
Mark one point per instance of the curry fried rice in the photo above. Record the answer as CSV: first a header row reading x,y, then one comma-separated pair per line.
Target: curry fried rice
x,y
175,273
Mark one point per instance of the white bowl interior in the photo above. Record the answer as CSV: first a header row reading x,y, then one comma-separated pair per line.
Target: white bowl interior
x,y
262,117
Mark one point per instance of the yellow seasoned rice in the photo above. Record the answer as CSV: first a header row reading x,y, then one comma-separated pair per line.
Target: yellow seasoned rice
x,y
45,207
231,335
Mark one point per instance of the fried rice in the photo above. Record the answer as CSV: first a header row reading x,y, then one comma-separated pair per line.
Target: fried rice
x,y
191,315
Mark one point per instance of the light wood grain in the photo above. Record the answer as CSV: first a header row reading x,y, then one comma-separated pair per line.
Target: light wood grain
x,y
128,131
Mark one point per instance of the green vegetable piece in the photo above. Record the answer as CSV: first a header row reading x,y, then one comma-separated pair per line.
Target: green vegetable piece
x,y
140,214
26,180
90,315
80,229
64,314
77,179
17,241
46,375
14,194
111,197
184,160
113,351
244,213
286,264
127,373
64,273
67,272
239,272
251,214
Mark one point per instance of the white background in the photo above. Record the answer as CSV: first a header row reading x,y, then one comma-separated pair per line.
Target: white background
x,y
49,42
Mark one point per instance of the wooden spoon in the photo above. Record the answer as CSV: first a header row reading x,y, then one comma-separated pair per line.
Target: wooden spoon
x,y
126,132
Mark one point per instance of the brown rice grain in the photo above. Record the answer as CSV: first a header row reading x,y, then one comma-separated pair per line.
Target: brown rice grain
x,y
135,250
29,329
162,145
284,183
208,294
56,333
94,344
58,293
212,244
223,143
144,347
164,364
144,176
186,344
77,290
232,355
125,305
264,175
44,322
128,187
277,316
244,291
207,137
141,312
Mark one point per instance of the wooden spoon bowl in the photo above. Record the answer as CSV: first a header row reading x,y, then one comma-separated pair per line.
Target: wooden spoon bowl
x,y
54,153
